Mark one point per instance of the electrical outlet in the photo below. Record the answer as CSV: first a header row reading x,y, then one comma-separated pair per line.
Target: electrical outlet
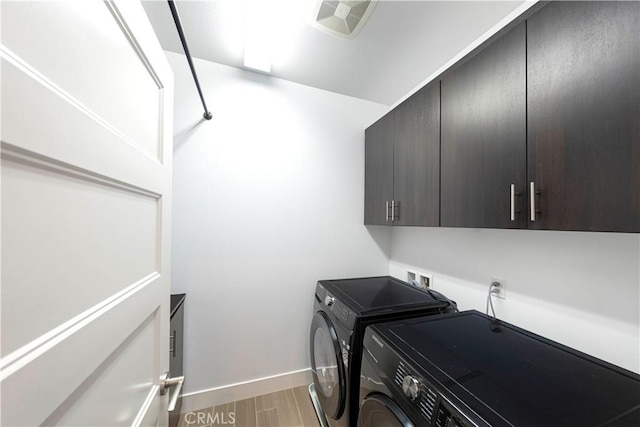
x,y
425,280
411,276
422,280
502,288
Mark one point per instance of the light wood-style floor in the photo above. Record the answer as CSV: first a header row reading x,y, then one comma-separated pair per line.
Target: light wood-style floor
x,y
288,408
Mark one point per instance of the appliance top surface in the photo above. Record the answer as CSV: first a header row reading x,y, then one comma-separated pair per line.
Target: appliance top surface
x,y
371,295
504,372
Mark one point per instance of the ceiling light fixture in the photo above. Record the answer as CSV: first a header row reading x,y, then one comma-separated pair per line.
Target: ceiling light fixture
x,y
257,53
270,30
257,35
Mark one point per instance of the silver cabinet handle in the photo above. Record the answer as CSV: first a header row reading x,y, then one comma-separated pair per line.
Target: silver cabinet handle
x,y
393,210
386,210
513,202
532,195
166,383
514,194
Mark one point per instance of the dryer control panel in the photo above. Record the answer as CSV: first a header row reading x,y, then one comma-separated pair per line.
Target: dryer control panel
x,y
330,304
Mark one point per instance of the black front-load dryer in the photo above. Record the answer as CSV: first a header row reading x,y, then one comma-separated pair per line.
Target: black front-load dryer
x,y
343,309
469,370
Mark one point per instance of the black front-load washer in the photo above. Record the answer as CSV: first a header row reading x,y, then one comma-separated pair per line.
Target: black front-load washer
x,y
469,370
343,308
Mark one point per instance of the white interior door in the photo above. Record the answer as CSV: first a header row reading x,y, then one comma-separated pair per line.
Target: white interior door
x,y
86,125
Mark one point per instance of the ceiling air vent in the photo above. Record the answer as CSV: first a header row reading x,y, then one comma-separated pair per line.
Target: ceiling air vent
x,y
342,18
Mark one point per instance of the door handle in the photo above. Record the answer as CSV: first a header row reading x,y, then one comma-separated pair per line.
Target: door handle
x,y
386,210
166,383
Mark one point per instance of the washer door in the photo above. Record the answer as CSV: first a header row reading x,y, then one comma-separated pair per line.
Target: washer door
x,y
326,366
378,410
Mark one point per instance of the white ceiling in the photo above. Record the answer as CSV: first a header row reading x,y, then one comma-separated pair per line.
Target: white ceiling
x,y
401,45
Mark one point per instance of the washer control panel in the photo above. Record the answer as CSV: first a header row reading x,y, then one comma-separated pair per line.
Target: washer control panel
x,y
433,408
411,387
444,418
416,390
416,393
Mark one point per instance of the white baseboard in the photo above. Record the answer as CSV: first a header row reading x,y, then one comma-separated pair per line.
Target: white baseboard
x,y
233,392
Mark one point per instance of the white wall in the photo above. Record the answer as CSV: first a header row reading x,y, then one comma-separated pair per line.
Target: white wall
x,y
268,199
580,289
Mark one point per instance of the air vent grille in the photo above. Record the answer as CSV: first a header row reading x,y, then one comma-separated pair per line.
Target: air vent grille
x,y
342,18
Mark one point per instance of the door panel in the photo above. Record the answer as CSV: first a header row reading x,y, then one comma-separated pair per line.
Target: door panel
x,y
74,213
47,375
583,67
416,158
34,106
104,396
484,137
378,171
46,36
86,180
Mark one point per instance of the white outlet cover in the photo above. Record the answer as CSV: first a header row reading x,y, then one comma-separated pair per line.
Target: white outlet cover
x,y
502,289
425,280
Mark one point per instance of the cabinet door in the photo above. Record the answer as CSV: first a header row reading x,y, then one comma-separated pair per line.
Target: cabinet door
x,y
584,115
484,137
176,352
378,171
416,160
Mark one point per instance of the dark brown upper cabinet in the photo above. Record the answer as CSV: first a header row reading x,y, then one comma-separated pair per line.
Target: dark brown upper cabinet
x,y
402,158
583,82
483,131
378,171
416,160
538,128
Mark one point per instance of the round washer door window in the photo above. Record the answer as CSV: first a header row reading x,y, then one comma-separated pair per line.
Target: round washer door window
x,y
378,410
326,365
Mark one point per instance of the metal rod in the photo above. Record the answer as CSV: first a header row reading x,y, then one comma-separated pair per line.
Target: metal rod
x,y
176,18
